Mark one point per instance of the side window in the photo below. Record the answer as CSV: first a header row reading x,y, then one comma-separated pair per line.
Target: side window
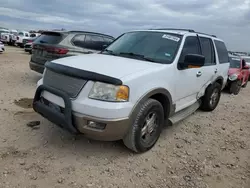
x,y
94,42
207,50
108,40
191,46
222,51
26,35
78,41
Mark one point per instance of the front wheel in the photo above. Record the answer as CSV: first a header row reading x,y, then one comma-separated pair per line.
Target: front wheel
x,y
211,98
146,128
235,87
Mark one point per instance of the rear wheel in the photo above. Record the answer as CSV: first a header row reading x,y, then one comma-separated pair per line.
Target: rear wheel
x,y
211,98
146,128
235,87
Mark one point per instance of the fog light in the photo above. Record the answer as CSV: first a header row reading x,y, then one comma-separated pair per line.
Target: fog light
x,y
96,125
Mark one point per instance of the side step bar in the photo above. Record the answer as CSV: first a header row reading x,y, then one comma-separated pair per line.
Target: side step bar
x,y
184,113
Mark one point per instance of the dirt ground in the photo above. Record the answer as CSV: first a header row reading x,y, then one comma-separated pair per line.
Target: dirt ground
x,y
207,150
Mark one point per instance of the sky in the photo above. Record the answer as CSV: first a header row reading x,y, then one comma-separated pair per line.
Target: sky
x,y
227,19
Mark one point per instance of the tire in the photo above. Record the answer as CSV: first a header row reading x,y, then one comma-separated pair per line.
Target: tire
x,y
136,138
235,87
211,98
30,52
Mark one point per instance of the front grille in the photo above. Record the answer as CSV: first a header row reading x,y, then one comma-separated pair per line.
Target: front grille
x,y
70,85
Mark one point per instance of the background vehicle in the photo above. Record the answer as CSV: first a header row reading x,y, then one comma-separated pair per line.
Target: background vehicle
x,y
1,47
29,43
247,59
238,75
57,44
3,32
141,81
21,36
10,37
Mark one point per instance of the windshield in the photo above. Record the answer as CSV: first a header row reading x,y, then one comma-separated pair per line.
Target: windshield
x,y
20,34
235,63
157,47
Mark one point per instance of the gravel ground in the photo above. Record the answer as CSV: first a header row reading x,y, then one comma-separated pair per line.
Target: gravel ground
x,y
207,150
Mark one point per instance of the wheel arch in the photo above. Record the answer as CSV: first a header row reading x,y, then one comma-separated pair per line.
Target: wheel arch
x,y
160,94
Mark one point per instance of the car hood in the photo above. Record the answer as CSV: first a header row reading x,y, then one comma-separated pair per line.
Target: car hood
x,y
233,71
114,66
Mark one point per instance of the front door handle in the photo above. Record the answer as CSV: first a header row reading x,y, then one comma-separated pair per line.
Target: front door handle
x,y
215,71
198,74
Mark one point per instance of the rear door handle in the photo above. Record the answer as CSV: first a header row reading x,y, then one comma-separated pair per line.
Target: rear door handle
x,y
215,71
198,74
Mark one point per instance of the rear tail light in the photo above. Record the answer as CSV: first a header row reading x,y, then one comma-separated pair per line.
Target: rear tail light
x,y
29,41
57,50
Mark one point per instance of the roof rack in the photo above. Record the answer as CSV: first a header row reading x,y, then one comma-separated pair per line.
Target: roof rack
x,y
188,30
206,34
90,33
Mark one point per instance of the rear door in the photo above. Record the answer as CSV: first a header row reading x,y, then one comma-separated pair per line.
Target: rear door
x,y
222,59
209,70
45,47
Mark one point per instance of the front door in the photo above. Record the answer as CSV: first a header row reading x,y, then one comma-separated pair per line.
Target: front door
x,y
192,82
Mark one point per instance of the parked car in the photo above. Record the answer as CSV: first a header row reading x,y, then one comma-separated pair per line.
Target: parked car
x,y
247,59
9,37
238,75
52,45
1,47
137,84
31,38
20,37
3,32
28,44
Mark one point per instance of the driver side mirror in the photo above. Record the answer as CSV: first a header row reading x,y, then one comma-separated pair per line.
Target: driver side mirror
x,y
193,61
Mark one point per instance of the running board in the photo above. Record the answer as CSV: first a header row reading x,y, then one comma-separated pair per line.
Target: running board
x,y
184,113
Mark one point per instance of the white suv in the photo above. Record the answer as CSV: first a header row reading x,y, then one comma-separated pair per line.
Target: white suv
x,y
137,84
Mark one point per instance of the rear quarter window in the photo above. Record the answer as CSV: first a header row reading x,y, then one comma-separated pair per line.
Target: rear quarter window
x,y
50,38
222,51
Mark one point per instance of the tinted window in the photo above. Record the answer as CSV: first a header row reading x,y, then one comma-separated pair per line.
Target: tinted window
x,y
108,40
222,51
32,35
20,34
78,40
94,42
159,47
26,34
50,38
191,46
207,50
235,63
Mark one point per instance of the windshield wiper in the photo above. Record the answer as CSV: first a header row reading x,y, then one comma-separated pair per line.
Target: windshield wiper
x,y
108,51
138,56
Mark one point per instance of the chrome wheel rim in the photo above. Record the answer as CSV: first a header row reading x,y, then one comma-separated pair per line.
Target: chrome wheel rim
x,y
214,97
149,129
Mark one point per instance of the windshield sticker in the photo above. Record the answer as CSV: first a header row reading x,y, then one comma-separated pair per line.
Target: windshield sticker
x,y
170,37
167,54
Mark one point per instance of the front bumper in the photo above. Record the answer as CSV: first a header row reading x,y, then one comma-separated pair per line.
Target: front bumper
x,y
114,129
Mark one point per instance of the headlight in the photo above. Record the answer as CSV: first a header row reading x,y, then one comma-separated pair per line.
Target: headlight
x,y
109,92
233,77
